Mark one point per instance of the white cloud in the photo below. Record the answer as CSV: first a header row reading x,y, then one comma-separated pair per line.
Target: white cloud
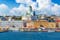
x,y
56,9
43,3
44,7
3,9
3,6
23,1
28,3
21,10
48,7
20,1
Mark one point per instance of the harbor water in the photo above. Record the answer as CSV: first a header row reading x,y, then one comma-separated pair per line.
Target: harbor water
x,y
30,36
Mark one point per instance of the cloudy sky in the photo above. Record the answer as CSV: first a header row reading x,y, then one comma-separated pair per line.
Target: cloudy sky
x,y
20,7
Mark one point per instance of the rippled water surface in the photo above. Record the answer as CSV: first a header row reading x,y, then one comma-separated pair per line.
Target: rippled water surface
x,y
30,36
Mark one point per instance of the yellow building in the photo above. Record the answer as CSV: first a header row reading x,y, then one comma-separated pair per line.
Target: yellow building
x,y
36,24
52,25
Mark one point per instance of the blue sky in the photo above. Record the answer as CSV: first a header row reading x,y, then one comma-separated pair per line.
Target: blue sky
x,y
12,3
12,6
56,1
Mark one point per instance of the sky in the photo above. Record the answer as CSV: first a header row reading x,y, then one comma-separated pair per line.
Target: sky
x,y
20,7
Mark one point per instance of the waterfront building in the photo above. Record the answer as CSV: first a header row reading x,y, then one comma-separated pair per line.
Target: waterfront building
x,y
58,22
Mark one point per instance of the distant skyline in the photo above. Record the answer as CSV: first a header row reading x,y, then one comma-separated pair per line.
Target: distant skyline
x,y
16,7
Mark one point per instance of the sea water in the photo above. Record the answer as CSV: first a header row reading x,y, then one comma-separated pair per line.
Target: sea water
x,y
30,36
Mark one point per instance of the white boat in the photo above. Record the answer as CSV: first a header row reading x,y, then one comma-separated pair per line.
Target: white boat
x,y
49,30
14,29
